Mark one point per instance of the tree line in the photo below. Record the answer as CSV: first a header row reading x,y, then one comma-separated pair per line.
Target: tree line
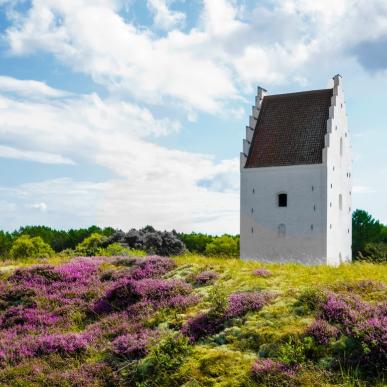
x,y
369,241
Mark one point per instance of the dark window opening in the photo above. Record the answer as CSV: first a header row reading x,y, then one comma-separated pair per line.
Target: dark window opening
x,y
282,200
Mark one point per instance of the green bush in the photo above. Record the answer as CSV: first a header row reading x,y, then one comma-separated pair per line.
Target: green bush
x,y
26,247
226,245
374,252
90,245
160,366
115,249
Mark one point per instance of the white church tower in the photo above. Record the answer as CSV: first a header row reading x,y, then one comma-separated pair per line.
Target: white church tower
x,y
296,179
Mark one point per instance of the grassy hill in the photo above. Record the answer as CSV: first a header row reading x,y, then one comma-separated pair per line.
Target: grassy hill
x,y
192,321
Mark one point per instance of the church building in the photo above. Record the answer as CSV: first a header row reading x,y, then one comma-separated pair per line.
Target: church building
x,y
296,179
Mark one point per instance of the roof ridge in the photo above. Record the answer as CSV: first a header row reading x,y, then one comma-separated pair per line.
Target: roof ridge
x,y
297,93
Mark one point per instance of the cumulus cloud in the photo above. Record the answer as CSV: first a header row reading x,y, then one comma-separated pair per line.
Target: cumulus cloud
x,y
149,183
39,157
164,18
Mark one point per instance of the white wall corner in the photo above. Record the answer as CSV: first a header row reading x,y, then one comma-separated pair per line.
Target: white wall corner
x,y
252,122
246,147
243,159
261,92
255,112
249,134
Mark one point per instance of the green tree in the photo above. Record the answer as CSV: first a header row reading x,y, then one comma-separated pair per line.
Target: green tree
x,y
225,245
27,247
90,245
5,244
365,229
196,242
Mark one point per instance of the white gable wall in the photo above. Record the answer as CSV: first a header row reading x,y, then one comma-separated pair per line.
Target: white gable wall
x,y
262,233
318,224
339,167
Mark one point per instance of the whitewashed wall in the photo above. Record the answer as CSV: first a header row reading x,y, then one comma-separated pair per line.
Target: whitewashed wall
x,y
304,217
339,165
318,224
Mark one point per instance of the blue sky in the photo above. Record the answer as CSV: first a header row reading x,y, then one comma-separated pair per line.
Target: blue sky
x,y
127,113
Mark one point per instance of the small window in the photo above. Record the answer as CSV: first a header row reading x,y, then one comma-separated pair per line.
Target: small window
x,y
252,210
314,207
253,190
341,201
283,200
252,230
312,188
311,227
341,146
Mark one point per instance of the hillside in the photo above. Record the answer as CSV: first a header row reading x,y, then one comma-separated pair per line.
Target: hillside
x,y
192,321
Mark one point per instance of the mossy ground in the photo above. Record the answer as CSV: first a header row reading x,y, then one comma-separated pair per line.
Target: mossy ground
x,y
225,359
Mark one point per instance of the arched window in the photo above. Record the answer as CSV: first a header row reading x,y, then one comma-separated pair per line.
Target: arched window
x,y
281,230
341,146
282,200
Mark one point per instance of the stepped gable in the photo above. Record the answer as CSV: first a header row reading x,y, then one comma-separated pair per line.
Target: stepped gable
x,y
290,129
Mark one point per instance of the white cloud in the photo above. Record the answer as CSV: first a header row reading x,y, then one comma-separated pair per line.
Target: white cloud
x,y
230,48
39,206
40,157
164,18
149,183
29,88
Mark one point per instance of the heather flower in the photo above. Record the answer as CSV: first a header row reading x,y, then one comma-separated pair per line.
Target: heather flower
x,y
322,332
61,343
345,310
152,267
264,369
241,303
36,275
132,345
262,273
31,318
201,325
127,292
206,278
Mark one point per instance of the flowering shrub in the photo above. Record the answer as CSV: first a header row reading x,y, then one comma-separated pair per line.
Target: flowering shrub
x,y
151,267
271,371
205,324
61,343
262,273
157,292
322,332
362,324
206,278
30,318
132,345
241,303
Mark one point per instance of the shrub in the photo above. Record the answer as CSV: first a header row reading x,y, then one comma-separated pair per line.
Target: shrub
x,y
225,245
90,245
26,247
262,273
322,332
206,278
374,252
238,304
153,242
272,373
153,266
159,367
241,303
116,249
132,345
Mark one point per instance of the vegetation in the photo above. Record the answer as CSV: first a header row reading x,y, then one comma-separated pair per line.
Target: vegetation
x,y
26,247
191,321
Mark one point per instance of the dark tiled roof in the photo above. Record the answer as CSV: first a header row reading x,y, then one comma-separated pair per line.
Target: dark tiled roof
x,y
290,129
